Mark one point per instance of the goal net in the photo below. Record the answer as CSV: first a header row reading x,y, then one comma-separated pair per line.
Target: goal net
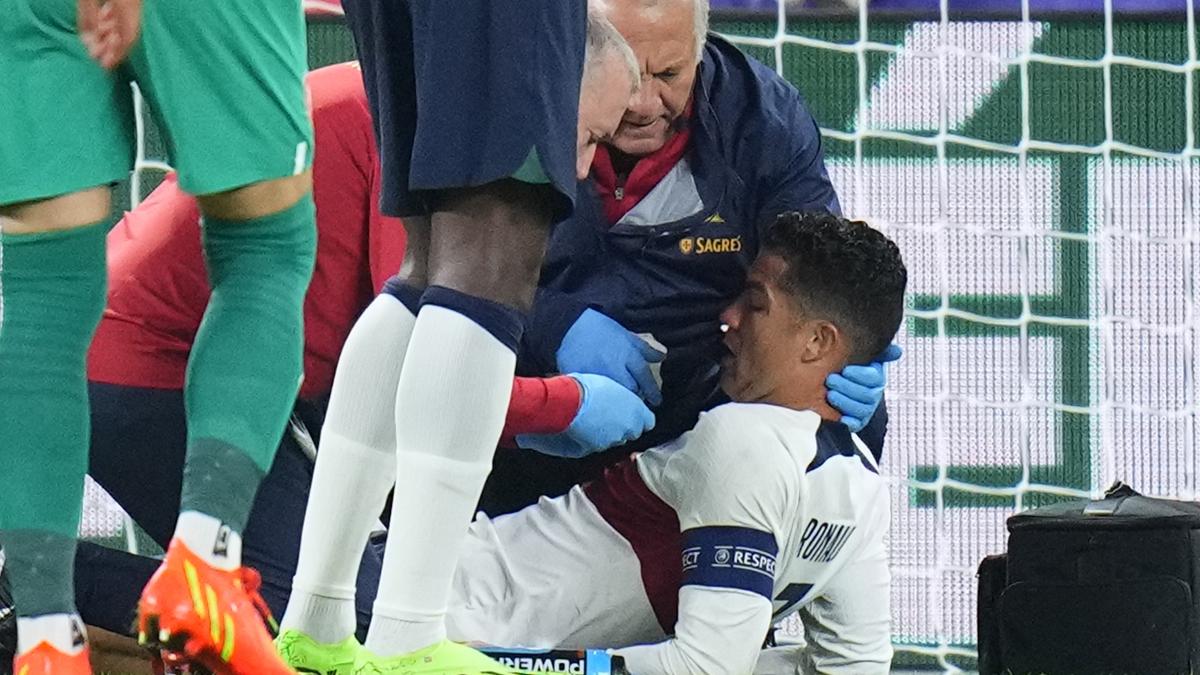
x,y
1039,172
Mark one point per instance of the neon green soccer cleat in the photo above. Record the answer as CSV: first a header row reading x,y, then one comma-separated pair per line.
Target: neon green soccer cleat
x,y
306,655
443,658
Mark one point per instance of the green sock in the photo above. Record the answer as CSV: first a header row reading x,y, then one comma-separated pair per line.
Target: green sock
x,y
51,297
247,360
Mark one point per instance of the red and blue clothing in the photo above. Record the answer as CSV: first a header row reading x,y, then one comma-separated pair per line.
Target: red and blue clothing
x,y
158,289
158,292
750,149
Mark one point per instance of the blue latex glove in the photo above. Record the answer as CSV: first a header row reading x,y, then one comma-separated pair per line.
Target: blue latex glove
x,y
857,391
609,415
596,344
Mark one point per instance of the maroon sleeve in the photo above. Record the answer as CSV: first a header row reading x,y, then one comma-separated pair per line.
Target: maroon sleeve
x,y
157,292
386,234
540,405
353,241
387,240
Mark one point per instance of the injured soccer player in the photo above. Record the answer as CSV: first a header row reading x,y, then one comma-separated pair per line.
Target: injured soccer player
x,y
683,557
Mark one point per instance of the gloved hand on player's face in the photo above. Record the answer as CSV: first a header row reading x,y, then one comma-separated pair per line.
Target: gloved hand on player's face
x,y
858,390
609,415
596,344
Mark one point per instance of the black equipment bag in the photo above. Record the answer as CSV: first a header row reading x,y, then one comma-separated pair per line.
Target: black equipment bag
x,y
1095,587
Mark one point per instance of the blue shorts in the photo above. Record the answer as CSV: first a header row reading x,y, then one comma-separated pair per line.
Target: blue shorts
x,y
468,92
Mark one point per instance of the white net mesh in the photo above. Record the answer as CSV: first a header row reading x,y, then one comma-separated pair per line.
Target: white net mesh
x,y
1040,177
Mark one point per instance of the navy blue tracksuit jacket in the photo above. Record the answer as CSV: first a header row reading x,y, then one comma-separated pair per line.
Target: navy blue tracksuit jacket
x,y
755,151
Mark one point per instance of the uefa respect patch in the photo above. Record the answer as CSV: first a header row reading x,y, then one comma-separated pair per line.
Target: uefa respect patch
x,y
730,557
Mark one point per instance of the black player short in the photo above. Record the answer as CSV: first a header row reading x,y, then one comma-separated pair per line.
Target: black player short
x,y
467,92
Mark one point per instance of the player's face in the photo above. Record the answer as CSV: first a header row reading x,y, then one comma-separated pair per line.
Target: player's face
x,y
663,39
760,335
602,100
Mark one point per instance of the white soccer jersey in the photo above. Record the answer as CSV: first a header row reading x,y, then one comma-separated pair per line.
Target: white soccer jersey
x,y
684,557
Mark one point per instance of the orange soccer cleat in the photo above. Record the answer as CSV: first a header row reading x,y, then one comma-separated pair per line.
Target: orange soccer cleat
x,y
198,614
44,659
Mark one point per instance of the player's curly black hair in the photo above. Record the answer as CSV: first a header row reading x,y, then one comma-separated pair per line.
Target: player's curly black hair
x,y
845,271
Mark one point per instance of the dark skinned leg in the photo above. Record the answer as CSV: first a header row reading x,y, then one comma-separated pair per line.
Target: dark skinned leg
x,y
486,249
489,242
414,271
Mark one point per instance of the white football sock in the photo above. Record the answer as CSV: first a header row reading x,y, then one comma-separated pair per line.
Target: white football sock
x,y
450,410
355,469
210,539
64,632
324,618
